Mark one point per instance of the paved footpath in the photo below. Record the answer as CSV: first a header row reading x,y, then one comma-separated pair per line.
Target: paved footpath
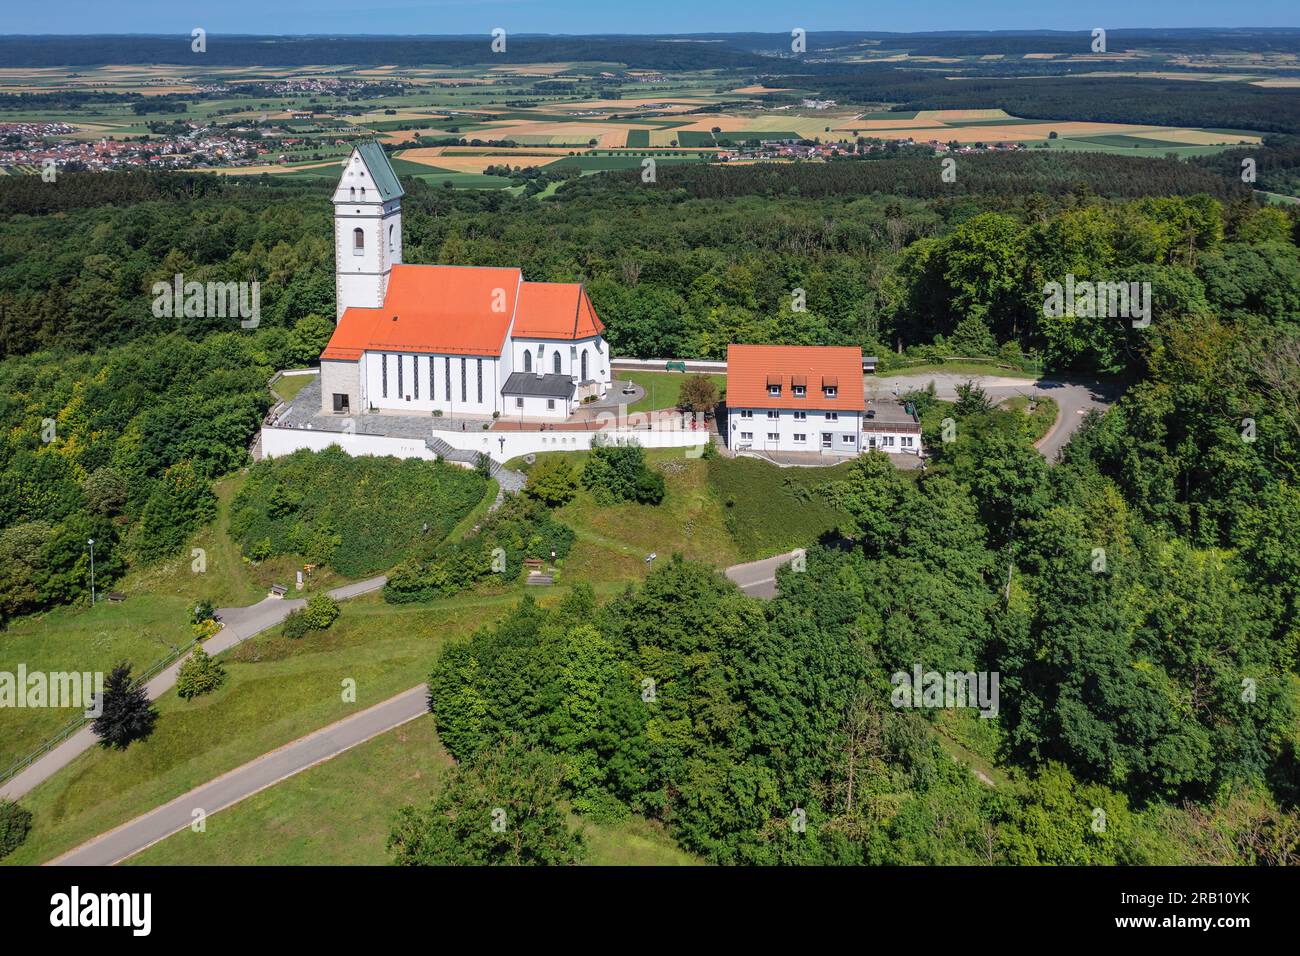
x,y
757,578
242,782
241,623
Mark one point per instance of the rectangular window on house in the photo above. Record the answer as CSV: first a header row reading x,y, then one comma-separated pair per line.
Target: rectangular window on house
x,y
383,374
773,436
850,439
800,437
550,403
832,416
801,416
519,403
464,392
746,413
480,380
746,436
773,414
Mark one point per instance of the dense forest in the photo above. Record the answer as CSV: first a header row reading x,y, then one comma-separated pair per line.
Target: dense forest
x,y
703,257
1163,102
1138,601
712,51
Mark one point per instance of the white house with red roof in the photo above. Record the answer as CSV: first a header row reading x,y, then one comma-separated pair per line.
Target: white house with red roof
x,y
461,340
810,398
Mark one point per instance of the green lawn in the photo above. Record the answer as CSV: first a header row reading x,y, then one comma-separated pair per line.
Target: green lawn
x,y
278,690
141,630
770,510
145,628
287,386
340,813
613,540
662,388
954,368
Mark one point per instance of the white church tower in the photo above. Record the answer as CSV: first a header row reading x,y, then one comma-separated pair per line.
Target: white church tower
x,y
367,229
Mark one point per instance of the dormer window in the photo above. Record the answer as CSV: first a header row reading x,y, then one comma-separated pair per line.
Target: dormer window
x,y
774,386
798,385
830,391
798,390
774,390
830,386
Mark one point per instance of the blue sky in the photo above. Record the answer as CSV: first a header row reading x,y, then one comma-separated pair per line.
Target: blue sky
x,y
628,16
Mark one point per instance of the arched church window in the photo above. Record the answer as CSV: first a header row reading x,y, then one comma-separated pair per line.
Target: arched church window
x,y
528,361
392,238
584,365
358,242
555,361
352,192
363,193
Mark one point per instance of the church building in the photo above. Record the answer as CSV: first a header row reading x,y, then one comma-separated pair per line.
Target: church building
x,y
462,340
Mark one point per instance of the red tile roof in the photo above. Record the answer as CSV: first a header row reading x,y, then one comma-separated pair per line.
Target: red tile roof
x,y
462,310
556,310
749,368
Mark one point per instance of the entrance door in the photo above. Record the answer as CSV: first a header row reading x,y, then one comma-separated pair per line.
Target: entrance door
x,y
340,402
826,439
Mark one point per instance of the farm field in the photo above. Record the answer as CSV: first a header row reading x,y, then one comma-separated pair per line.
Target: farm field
x,y
489,105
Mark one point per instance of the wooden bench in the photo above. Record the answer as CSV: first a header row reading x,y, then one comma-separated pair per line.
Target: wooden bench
x,y
279,590
117,597
532,565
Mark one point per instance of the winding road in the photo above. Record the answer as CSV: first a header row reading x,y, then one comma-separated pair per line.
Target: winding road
x,y
240,623
1074,398
755,578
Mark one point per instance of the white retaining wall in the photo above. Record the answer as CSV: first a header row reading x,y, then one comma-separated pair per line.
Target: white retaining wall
x,y
498,445
284,441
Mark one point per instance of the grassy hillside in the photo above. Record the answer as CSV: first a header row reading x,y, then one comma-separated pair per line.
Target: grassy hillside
x,y
340,813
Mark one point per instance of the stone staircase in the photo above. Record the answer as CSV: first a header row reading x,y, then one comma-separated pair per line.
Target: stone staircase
x,y
509,480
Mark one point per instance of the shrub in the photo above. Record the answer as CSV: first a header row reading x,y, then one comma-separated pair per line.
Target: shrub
x,y
520,528
615,473
321,611
201,674
295,625
357,515
203,611
205,629
15,824
649,487
552,482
